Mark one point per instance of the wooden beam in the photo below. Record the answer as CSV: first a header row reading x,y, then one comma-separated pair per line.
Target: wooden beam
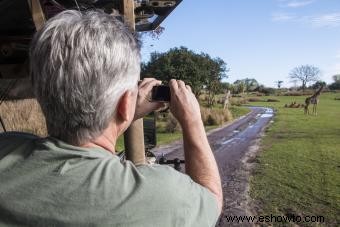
x,y
129,13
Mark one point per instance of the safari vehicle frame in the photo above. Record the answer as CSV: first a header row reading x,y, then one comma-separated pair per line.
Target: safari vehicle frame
x,y
19,19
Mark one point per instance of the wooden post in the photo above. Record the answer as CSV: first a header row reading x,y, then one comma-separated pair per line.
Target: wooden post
x,y
134,135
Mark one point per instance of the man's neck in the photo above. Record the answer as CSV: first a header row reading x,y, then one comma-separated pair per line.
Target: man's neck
x,y
107,140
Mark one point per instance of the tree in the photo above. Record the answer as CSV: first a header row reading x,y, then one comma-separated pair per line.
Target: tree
x,y
225,86
216,72
318,84
246,85
279,83
336,84
265,90
336,78
240,86
305,74
198,70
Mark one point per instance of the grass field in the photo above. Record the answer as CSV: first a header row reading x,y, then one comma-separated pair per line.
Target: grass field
x,y
298,171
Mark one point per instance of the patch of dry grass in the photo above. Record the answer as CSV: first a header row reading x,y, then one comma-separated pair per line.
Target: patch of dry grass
x,y
23,116
215,116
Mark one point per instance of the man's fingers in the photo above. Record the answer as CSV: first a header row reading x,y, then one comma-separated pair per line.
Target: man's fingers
x,y
181,85
148,86
173,86
188,87
145,81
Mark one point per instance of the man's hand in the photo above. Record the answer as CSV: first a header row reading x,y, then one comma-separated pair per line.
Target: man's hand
x,y
143,105
183,104
200,163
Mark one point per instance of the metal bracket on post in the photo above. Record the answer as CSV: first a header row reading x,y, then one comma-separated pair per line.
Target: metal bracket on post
x,y
134,135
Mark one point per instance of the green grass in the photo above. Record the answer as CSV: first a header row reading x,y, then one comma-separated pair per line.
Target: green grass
x,y
165,138
299,166
238,111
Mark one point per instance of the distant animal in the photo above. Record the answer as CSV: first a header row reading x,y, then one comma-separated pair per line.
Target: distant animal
x,y
314,99
226,100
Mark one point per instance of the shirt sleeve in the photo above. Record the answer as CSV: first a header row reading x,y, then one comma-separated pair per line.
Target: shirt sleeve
x,y
196,203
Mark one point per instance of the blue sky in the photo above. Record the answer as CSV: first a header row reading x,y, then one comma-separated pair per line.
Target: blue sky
x,y
261,39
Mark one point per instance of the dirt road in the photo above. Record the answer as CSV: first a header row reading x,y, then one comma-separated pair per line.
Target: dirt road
x,y
234,147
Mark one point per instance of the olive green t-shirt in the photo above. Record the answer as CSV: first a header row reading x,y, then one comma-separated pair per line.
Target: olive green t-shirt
x,y
46,182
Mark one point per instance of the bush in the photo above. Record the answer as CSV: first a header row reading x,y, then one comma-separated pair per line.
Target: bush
x,y
298,93
334,86
255,100
273,100
162,116
212,120
171,125
215,116
238,101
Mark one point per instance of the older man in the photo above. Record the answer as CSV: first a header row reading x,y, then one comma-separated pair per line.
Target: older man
x,y
85,69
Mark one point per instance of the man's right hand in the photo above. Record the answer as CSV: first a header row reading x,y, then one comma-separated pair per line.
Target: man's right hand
x,y
183,104
200,163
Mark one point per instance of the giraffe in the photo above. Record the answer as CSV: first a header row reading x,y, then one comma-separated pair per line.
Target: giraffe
x,y
226,100
314,99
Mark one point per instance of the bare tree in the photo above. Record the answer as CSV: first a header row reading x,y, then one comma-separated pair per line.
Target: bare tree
x,y
305,74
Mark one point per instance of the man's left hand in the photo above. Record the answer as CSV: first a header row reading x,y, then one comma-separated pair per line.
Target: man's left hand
x,y
144,106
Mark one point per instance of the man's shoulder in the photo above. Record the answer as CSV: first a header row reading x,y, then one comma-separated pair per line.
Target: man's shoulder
x,y
172,181
164,173
178,192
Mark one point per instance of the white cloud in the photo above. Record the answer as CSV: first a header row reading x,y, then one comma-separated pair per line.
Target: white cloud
x,y
329,20
295,3
282,17
325,20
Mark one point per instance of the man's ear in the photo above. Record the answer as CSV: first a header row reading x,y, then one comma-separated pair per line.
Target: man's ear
x,y
124,106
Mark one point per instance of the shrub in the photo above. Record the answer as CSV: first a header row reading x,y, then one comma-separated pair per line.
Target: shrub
x,y
298,93
255,100
238,101
215,116
334,86
212,120
273,100
172,124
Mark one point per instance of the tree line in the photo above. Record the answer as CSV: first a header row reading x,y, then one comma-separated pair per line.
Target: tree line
x,y
204,73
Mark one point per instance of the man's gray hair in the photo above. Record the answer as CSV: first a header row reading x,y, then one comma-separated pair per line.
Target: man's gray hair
x,y
81,63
